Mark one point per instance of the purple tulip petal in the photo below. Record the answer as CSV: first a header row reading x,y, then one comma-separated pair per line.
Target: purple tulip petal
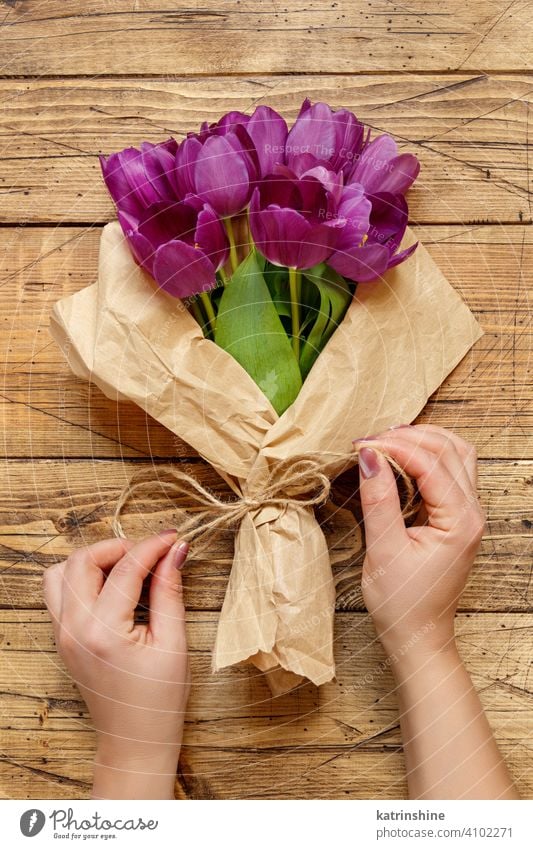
x,y
356,212
221,177
320,241
211,237
305,107
349,135
305,162
132,162
244,147
388,219
352,192
159,163
381,169
279,189
229,121
141,248
119,186
268,131
314,199
279,233
401,173
331,181
313,133
374,157
361,264
182,270
186,157
257,229
402,256
162,222
285,237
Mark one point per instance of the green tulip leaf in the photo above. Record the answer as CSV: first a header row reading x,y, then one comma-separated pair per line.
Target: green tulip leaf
x,y
249,328
335,296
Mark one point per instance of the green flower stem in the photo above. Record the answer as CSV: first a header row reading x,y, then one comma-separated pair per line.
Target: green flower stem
x,y
208,307
294,287
232,247
197,313
223,276
249,229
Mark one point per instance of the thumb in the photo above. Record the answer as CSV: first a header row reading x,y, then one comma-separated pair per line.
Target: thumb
x,y
380,501
167,611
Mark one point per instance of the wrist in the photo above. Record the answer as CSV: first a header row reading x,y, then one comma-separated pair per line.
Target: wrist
x,y
412,649
134,771
423,662
414,640
111,752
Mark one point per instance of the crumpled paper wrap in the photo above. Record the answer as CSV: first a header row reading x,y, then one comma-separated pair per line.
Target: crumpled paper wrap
x,y
396,344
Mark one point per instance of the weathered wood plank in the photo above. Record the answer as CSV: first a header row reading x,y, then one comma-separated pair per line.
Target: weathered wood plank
x,y
47,412
47,508
237,736
168,37
471,133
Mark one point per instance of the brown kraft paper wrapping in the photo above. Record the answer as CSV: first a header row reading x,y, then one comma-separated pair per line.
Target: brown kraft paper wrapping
x,y
398,341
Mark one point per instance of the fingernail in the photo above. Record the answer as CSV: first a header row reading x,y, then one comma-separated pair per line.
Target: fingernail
x,y
397,427
368,463
167,532
182,549
363,439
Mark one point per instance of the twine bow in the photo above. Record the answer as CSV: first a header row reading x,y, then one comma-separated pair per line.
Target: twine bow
x,y
300,482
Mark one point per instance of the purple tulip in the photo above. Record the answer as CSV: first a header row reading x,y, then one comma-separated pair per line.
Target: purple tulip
x,y
137,178
181,244
367,257
222,162
266,129
294,221
220,168
322,136
381,169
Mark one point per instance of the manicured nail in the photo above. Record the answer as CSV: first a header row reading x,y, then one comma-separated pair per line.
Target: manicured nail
x,y
167,532
397,427
363,439
182,549
368,463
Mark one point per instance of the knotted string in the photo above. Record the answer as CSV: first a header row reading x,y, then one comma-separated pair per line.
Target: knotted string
x,y
300,482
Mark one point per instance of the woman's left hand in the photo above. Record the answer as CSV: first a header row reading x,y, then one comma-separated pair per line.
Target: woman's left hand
x,y
133,677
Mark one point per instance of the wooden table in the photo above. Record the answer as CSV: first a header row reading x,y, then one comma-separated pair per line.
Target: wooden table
x,y
451,80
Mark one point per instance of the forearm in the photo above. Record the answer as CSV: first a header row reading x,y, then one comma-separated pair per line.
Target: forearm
x,y
450,751
134,775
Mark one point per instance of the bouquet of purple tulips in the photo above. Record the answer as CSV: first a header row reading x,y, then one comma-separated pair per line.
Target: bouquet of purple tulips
x,y
254,299
265,231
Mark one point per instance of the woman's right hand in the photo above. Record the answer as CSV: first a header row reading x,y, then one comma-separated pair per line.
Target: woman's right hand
x,y
413,577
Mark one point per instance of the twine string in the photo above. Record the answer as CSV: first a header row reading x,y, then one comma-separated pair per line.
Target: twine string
x,y
300,482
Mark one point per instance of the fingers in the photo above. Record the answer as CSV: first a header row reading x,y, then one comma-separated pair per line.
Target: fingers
x,y
441,492
459,456
53,593
83,571
167,611
384,525
121,592
466,450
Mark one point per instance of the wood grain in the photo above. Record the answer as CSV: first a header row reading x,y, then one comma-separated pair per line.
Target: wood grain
x,y
169,37
240,742
470,132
